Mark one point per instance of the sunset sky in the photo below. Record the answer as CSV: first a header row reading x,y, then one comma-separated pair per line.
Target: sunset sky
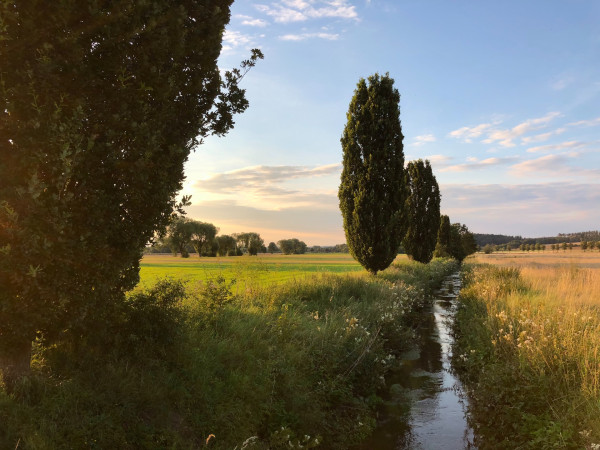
x,y
503,97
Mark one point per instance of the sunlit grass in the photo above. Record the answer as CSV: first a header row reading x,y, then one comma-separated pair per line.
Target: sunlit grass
x,y
542,319
250,272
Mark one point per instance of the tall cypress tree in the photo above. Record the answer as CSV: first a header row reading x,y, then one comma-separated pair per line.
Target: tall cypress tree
x,y
372,191
443,238
423,209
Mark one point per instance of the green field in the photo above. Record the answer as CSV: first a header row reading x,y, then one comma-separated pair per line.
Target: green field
x,y
248,271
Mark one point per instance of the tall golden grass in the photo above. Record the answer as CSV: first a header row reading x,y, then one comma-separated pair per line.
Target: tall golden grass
x,y
544,308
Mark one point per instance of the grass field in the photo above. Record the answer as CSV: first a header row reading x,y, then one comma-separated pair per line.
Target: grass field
x,y
531,323
248,271
295,364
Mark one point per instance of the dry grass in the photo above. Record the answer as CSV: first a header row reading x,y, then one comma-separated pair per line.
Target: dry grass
x,y
543,312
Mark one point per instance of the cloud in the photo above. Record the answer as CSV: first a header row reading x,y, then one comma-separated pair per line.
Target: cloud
x,y
542,137
312,225
555,166
438,160
586,123
531,210
562,146
272,187
304,36
252,22
506,137
561,83
475,164
233,39
286,11
467,134
420,140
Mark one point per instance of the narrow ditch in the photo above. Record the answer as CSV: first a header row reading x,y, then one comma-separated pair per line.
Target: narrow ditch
x,y
436,417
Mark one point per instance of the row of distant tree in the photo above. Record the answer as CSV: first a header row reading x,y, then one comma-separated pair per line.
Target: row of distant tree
x,y
584,245
185,236
515,241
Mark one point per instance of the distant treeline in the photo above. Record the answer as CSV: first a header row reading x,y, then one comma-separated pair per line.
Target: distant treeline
x,y
516,241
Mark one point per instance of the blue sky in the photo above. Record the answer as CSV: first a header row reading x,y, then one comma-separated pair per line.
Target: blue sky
x,y
502,97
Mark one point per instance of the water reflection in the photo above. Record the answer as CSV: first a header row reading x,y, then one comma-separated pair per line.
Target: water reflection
x,y
436,417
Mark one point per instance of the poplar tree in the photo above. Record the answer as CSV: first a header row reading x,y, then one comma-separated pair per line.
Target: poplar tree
x,y
443,238
372,191
423,211
100,105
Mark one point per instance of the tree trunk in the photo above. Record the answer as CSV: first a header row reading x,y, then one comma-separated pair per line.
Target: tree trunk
x,y
15,364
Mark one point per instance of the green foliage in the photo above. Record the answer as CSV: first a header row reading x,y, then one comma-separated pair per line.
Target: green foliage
x,y
227,245
100,107
462,242
372,191
298,363
217,294
292,246
443,238
203,238
252,243
272,247
423,211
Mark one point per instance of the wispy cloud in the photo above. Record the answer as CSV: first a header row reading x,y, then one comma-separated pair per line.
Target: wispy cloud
x,y
476,164
586,123
423,139
305,36
251,21
467,134
562,146
268,187
506,137
554,166
286,11
233,39
543,136
543,209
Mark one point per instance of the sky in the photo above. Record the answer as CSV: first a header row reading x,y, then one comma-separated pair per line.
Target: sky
x,y
503,97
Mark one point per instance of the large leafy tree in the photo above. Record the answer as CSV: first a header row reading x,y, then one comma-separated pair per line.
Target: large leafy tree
x,y
292,246
423,210
203,237
372,191
101,103
250,242
462,242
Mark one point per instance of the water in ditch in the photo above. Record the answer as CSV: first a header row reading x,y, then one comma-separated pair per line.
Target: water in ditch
x,y
436,418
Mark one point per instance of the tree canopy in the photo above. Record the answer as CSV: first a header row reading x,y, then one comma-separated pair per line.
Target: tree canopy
x,y
372,191
292,246
100,106
423,211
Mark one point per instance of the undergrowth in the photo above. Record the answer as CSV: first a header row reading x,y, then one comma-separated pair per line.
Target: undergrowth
x,y
527,348
189,366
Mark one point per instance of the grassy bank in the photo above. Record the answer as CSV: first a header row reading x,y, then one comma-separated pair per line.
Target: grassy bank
x,y
290,365
528,349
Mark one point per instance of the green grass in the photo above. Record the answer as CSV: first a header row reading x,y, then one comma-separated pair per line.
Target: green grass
x,y
287,365
253,271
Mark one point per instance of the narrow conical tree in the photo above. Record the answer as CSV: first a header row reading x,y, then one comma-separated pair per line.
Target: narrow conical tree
x,y
372,192
443,238
423,211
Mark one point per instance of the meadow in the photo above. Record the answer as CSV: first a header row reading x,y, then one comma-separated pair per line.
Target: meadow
x,y
528,348
195,359
248,271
